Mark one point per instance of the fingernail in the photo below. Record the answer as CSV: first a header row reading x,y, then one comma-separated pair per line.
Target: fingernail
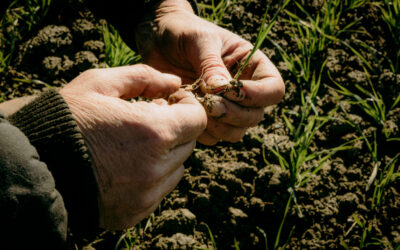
x,y
172,77
214,106
179,95
215,84
235,94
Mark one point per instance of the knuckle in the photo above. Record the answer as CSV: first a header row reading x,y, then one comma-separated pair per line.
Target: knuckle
x,y
259,115
280,90
160,133
144,67
144,70
166,137
211,60
203,120
211,142
212,65
236,136
89,72
146,202
150,178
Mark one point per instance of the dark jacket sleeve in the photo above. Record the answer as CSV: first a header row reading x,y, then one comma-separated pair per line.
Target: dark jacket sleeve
x,y
30,200
32,211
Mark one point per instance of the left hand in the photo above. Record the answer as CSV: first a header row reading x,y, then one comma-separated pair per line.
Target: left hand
x,y
190,47
137,149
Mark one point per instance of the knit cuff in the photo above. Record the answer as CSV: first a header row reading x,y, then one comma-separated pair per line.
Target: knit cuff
x,y
52,130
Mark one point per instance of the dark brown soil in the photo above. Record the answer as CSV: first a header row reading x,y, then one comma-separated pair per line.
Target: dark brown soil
x,y
229,188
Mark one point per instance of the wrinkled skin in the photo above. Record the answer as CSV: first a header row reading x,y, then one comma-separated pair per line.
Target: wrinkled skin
x,y
192,48
137,148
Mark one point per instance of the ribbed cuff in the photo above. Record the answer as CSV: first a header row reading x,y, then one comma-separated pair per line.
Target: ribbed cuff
x,y
52,130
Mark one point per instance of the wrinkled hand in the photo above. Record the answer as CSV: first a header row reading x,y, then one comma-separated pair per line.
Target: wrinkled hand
x,y
137,148
188,46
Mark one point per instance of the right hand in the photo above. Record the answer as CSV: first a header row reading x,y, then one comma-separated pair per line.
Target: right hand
x,y
198,49
137,148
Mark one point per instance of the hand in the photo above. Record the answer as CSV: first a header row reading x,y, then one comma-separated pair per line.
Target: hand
x,y
188,46
137,148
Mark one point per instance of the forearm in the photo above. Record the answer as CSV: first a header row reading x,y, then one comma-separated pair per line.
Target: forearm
x,y
52,130
30,206
10,107
172,5
48,125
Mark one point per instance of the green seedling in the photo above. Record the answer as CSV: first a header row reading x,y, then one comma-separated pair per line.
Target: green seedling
x,y
20,19
33,81
391,16
264,236
388,175
366,240
131,236
327,23
215,13
373,148
377,56
214,244
127,240
278,235
262,35
303,131
300,155
299,64
372,104
116,50
236,244
3,60
354,4
312,35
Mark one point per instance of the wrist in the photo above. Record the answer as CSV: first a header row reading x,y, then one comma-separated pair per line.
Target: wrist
x,y
148,29
169,6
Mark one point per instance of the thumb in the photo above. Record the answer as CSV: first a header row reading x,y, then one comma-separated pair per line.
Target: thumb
x,y
210,66
130,81
143,80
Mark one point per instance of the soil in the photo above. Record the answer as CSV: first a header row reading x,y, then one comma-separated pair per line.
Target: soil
x,y
230,189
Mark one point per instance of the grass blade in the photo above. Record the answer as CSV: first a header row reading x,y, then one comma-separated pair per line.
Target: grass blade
x,y
262,34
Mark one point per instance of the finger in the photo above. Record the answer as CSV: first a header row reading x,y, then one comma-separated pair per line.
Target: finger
x,y
206,139
206,58
224,131
170,182
158,61
151,199
160,101
183,97
156,184
265,86
172,161
187,118
132,81
262,93
156,195
213,105
233,114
